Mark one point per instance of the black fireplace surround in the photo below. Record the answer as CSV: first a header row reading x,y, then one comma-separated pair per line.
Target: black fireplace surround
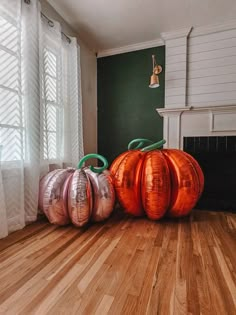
x,y
217,158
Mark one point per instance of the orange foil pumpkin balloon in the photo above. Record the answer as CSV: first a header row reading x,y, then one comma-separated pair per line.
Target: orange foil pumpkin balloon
x,y
157,181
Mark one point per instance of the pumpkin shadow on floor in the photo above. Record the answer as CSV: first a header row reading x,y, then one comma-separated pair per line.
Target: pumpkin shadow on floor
x,y
195,215
119,215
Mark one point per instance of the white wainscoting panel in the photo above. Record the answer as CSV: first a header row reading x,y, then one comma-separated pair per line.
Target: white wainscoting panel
x,y
173,131
224,121
195,123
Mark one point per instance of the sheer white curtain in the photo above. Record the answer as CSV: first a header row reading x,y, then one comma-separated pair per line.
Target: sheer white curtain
x,y
72,100
40,107
52,107
12,124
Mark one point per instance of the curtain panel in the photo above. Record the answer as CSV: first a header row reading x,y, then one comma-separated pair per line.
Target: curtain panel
x,y
40,107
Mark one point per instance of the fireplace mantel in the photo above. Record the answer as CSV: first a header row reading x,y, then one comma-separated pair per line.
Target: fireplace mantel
x,y
178,111
197,121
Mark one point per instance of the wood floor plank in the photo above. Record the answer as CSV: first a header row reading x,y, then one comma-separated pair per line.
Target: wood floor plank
x,y
115,271
129,305
122,266
22,235
105,305
183,253
147,286
163,287
216,288
226,273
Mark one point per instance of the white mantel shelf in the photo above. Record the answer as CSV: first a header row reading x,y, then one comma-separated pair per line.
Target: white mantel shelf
x,y
176,111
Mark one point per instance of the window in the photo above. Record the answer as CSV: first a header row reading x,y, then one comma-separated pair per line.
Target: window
x,y
11,107
39,90
52,109
12,126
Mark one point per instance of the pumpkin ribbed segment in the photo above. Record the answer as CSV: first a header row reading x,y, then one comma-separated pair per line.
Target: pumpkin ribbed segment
x,y
116,163
103,194
199,173
52,197
127,177
155,185
184,181
80,200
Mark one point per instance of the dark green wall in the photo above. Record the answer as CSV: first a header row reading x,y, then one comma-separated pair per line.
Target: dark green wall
x,y
126,105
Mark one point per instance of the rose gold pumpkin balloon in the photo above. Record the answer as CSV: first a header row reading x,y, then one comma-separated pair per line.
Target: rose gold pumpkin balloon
x,y
91,193
77,195
157,181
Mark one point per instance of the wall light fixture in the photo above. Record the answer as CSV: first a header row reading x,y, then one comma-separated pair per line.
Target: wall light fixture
x,y
156,69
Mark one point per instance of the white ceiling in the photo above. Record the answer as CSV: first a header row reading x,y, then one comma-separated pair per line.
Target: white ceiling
x,y
109,24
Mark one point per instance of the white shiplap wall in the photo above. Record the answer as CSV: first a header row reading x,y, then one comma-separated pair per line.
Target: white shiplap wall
x,y
212,69
201,66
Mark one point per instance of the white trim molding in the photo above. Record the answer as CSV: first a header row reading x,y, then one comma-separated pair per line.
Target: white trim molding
x,y
172,111
183,32
124,49
168,36
175,111
176,66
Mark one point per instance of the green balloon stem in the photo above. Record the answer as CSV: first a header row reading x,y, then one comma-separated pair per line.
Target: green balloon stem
x,y
141,142
154,146
92,168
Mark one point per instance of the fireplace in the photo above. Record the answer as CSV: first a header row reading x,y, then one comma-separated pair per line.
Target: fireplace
x,y
217,157
209,134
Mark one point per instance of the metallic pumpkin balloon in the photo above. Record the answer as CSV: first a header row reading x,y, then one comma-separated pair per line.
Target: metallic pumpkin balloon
x,y
103,194
91,192
53,196
77,195
157,182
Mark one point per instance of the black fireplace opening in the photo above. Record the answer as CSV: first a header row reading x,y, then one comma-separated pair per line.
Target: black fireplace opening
x,y
217,158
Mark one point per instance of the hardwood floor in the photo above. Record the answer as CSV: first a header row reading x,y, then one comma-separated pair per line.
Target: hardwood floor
x,y
124,266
